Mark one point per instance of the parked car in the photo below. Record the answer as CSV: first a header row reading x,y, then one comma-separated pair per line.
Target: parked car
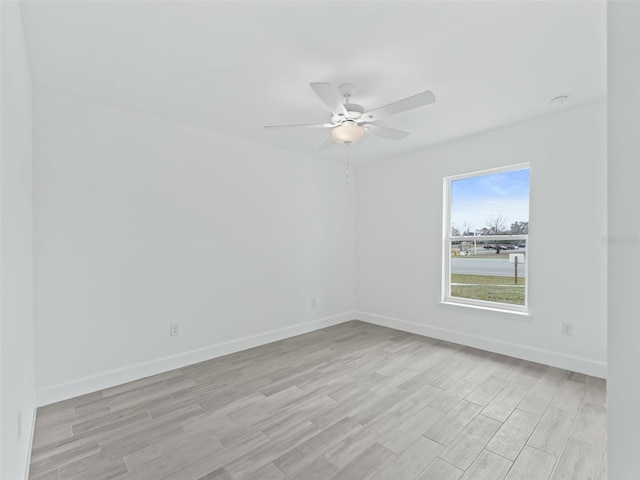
x,y
490,245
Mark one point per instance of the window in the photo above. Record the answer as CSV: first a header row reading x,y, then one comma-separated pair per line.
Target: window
x,y
486,233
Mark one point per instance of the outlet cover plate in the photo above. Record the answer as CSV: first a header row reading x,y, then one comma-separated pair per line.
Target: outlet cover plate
x,y
567,328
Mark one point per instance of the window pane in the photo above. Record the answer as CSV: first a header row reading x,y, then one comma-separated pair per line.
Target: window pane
x,y
489,271
493,204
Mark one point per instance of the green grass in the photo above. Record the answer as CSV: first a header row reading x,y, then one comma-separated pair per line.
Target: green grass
x,y
484,279
489,288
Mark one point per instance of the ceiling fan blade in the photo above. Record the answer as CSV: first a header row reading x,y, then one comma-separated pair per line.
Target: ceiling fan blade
x,y
386,132
409,103
302,125
328,143
330,97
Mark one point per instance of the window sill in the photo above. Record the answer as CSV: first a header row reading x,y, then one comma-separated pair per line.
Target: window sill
x,y
493,311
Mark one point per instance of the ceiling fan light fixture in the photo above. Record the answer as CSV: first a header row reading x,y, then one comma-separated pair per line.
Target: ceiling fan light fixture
x,y
347,133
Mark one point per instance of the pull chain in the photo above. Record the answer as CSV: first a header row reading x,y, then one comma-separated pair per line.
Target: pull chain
x,y
346,171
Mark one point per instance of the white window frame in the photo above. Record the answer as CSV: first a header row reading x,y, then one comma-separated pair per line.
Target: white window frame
x,y
447,239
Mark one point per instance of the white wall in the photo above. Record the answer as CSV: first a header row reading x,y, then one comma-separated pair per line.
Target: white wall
x,y
142,222
17,385
399,235
623,385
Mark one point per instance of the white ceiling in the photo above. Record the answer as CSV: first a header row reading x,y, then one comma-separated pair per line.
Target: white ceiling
x,y
236,66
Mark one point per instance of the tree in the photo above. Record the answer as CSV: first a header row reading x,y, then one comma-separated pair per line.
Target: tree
x,y
455,232
468,229
495,225
519,228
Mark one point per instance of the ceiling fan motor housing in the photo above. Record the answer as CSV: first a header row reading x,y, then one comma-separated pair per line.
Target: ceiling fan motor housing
x,y
354,111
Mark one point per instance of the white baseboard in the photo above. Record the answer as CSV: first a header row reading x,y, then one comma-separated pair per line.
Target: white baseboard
x,y
112,378
32,430
546,357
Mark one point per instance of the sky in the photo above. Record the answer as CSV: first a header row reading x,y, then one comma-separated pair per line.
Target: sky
x,y
477,199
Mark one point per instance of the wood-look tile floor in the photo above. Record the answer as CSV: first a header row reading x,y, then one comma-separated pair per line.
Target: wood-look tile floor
x,y
353,401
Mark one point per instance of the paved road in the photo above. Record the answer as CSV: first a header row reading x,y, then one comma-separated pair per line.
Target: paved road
x,y
485,266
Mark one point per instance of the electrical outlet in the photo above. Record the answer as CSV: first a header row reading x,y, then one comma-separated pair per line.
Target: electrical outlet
x,y
174,329
19,425
567,328
313,303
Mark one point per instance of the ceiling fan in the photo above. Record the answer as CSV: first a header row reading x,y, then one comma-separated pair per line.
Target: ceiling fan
x,y
350,121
